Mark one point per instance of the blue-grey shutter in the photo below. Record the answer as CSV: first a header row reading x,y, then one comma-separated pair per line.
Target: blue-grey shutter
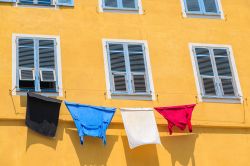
x,y
65,2
47,62
192,6
137,67
47,65
117,67
26,64
206,73
210,6
224,71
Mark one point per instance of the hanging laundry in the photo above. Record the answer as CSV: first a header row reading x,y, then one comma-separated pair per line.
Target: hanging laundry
x,y
42,114
140,126
179,116
91,120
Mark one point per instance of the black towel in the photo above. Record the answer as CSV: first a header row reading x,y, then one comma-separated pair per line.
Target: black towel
x,y
42,114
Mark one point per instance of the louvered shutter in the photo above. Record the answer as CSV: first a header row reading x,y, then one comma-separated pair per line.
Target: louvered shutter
x,y
26,59
65,2
192,6
205,68
118,67
210,6
224,71
137,67
47,64
25,64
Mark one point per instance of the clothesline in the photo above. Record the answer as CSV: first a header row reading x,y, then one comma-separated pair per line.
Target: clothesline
x,y
103,91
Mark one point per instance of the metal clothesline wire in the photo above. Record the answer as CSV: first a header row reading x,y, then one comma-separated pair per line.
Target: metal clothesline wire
x,y
244,104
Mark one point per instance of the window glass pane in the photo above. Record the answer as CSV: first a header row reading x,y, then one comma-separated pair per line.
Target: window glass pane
x,y
136,58
227,86
128,3
220,52
26,53
120,83
135,48
46,54
223,66
116,47
205,65
139,83
110,3
209,88
193,5
202,51
44,2
46,43
26,42
26,1
210,6
65,1
40,2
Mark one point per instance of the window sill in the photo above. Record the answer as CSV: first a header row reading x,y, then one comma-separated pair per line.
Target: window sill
x,y
125,11
146,97
24,93
200,15
36,6
231,100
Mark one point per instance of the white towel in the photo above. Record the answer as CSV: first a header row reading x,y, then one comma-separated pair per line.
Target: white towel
x,y
140,126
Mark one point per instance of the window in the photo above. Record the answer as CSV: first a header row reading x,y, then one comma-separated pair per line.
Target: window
x,y
42,2
202,7
37,64
216,76
121,5
128,72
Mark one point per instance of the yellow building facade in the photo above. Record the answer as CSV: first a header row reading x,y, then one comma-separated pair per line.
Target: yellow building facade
x,y
170,35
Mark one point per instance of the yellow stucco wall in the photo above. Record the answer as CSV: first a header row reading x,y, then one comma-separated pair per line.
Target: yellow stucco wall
x,y
221,131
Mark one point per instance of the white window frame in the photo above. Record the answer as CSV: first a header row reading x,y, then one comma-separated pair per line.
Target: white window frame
x,y
132,11
212,16
236,99
14,63
150,96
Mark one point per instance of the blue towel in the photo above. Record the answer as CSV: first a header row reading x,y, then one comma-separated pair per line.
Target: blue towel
x,y
91,120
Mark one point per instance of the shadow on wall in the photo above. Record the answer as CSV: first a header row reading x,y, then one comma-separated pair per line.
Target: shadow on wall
x,y
35,138
92,152
145,155
181,148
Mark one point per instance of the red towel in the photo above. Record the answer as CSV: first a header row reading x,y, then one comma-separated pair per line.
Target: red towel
x,y
179,116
